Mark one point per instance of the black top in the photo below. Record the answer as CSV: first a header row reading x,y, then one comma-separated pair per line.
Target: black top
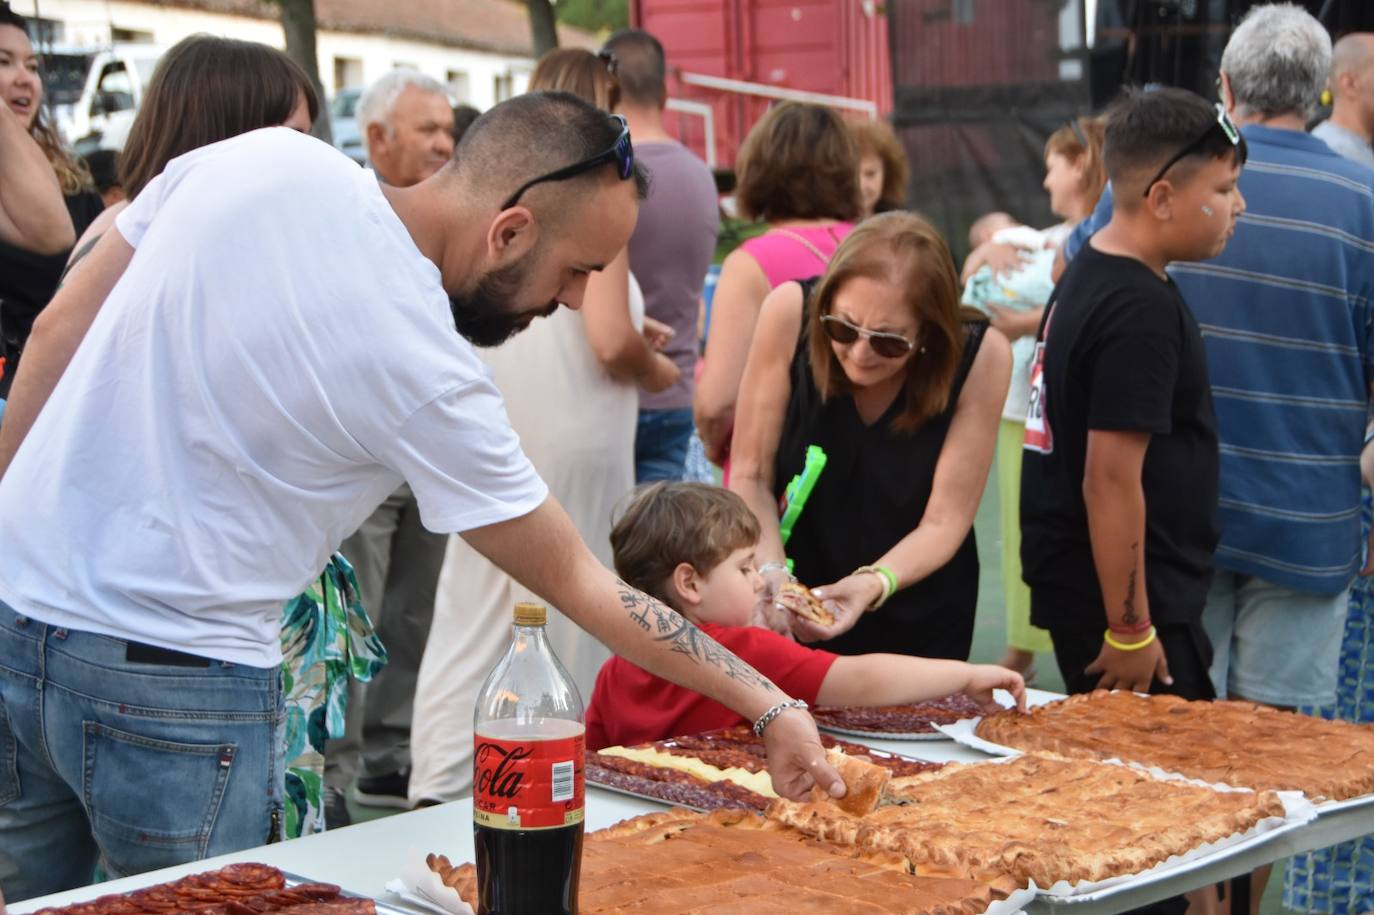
x,y
28,280
872,493
1122,352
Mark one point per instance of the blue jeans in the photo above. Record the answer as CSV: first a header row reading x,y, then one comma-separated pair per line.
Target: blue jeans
x,y
661,444
132,764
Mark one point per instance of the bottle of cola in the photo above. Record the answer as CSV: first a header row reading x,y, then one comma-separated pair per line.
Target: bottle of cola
x,y
527,785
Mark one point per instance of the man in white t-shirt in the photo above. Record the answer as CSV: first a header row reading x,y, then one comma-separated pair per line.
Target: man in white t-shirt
x,y
407,122
258,355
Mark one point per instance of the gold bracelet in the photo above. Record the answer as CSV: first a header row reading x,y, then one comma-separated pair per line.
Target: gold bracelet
x,y
887,578
1135,646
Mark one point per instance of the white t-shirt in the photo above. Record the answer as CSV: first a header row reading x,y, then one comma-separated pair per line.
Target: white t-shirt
x,y
277,358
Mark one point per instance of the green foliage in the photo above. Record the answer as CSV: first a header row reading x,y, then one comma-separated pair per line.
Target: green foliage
x,y
594,15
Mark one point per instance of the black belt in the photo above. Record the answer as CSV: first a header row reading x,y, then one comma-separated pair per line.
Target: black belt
x,y
138,653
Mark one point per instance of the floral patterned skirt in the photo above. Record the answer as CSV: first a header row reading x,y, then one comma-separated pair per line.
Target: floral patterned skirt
x,y
326,639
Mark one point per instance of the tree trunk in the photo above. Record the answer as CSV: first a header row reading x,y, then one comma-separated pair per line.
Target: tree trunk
x,y
542,27
298,24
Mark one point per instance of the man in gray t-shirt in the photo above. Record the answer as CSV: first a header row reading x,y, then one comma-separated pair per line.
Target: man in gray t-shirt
x,y
671,248
1351,126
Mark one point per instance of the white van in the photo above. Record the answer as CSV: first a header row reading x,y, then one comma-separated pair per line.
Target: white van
x,y
95,92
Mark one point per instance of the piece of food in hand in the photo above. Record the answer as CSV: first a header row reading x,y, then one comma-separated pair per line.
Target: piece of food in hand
x,y
863,779
798,598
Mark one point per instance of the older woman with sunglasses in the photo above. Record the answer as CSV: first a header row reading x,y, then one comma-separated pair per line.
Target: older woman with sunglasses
x,y
869,412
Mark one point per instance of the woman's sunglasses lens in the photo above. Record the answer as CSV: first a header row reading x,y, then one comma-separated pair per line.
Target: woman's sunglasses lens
x,y
840,333
889,348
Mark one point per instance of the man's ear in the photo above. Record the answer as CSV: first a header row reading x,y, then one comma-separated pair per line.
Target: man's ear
x,y
512,235
1228,98
376,139
686,583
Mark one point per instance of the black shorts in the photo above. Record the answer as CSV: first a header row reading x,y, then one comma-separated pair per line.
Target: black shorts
x,y
1186,648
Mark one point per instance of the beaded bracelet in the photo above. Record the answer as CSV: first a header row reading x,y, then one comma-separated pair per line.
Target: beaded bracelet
x,y
767,717
1136,646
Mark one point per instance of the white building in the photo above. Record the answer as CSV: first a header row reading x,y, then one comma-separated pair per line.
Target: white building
x,y
481,48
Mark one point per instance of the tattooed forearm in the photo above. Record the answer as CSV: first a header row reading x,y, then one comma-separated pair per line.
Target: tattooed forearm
x,y
667,625
1130,617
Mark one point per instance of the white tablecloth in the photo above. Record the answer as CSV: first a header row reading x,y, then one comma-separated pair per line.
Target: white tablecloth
x,y
364,857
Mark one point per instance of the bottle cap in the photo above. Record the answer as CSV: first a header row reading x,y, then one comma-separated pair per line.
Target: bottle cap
x,y
530,614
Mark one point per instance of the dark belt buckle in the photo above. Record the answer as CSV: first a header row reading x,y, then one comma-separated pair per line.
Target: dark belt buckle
x,y
138,653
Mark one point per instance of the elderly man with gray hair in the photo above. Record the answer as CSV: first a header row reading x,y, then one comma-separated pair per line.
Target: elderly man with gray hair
x,y
406,119
1286,312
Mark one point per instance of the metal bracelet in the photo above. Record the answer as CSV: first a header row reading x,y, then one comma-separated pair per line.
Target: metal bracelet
x,y
767,717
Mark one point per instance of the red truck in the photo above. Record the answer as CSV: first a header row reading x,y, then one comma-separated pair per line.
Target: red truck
x,y
732,58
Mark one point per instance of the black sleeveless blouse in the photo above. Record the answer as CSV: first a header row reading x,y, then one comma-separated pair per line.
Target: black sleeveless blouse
x,y
872,493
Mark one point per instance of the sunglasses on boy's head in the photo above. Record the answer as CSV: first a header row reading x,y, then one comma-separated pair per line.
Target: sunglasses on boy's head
x,y
622,153
889,346
1223,125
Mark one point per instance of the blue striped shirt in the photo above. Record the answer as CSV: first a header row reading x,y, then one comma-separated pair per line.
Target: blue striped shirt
x,y
1286,314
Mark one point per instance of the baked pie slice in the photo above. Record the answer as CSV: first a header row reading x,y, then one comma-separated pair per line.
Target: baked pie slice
x,y
1222,742
733,861
1038,818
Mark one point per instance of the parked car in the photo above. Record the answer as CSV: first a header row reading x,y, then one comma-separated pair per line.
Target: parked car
x,y
94,92
343,119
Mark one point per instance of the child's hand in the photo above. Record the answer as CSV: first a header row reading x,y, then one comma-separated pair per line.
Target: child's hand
x,y
985,678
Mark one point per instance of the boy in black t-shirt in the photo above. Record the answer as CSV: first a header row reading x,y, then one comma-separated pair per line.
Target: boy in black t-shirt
x,y
1119,482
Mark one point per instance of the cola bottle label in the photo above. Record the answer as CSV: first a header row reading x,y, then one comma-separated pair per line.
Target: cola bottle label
x,y
528,784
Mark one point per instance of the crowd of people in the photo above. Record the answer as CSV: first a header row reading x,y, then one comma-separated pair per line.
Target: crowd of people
x,y
243,430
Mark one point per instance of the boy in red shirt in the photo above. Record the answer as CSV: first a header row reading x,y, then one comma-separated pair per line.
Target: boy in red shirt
x,y
692,547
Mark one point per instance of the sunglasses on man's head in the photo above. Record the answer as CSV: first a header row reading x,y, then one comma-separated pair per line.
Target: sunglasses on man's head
x,y
622,153
889,346
1223,124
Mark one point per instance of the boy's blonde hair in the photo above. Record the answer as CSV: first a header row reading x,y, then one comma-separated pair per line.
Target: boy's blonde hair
x,y
667,524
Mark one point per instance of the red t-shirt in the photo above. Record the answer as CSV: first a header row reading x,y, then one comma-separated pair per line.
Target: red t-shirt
x,y
630,705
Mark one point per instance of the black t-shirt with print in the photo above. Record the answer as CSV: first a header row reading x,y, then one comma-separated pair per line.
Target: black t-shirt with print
x,y
1121,352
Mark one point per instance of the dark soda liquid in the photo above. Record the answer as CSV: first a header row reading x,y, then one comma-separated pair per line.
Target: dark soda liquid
x,y
528,872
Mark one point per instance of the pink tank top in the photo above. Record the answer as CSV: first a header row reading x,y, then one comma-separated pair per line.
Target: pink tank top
x,y
796,253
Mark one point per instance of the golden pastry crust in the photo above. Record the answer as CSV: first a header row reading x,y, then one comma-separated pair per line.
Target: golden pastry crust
x,y
798,598
1232,743
736,861
1038,818
863,780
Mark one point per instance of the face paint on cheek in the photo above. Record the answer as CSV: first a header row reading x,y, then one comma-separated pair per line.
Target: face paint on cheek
x,y
1208,211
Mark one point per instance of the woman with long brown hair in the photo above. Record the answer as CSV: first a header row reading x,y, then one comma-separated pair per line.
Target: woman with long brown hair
x,y
205,89
878,368
798,171
31,267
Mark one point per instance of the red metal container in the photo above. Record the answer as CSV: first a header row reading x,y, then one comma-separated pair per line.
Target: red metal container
x,y
830,47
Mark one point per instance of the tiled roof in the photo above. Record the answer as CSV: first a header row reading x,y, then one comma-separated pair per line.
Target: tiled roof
x,y
500,26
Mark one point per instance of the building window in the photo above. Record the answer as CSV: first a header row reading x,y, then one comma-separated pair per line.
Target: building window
x,y
459,86
503,86
46,31
348,73
130,36
404,65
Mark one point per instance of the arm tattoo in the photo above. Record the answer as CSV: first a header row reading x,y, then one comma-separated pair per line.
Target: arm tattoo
x,y
1130,618
665,624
